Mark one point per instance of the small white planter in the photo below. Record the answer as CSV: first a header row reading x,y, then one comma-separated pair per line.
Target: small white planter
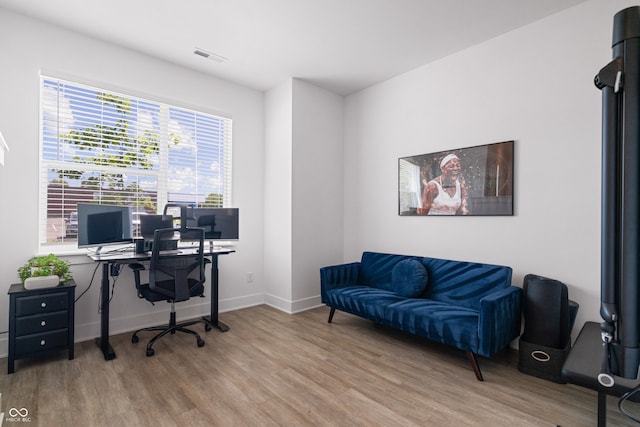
x,y
41,282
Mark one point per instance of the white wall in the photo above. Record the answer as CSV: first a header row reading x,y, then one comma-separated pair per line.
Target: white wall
x,y
317,188
277,195
29,46
533,85
303,191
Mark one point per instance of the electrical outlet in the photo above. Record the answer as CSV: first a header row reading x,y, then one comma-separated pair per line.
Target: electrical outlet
x,y
249,277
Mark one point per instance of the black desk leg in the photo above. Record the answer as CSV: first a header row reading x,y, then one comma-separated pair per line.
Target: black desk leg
x,y
103,341
602,409
213,319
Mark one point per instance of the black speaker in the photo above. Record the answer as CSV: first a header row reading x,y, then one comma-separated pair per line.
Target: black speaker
x,y
548,319
546,311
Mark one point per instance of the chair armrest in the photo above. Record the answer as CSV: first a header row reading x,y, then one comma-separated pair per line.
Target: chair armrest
x,y
137,268
500,317
336,276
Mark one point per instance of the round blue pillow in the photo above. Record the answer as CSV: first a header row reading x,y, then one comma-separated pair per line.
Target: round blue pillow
x,y
409,278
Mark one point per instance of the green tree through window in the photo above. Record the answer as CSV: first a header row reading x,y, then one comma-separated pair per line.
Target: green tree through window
x,y
104,147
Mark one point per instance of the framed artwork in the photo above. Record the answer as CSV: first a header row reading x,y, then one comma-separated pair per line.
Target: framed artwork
x,y
465,181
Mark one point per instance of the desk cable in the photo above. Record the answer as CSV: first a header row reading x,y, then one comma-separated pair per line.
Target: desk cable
x,y
113,287
90,283
626,397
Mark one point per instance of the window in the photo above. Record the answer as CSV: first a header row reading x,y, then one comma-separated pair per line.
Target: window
x,y
99,146
410,194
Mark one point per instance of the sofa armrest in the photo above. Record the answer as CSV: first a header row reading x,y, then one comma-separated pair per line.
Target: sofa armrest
x,y
337,276
500,317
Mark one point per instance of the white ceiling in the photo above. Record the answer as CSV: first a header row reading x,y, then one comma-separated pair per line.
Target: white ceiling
x,y
341,45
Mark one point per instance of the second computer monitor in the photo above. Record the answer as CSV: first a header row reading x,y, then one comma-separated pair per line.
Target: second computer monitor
x,y
218,223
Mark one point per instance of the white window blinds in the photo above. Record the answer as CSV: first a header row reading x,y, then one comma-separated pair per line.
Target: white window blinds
x,y
410,197
98,146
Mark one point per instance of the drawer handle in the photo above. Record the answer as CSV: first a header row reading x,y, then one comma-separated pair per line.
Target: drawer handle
x,y
43,305
43,323
540,356
43,342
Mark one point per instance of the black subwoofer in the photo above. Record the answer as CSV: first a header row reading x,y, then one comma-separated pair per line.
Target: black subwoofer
x,y
548,319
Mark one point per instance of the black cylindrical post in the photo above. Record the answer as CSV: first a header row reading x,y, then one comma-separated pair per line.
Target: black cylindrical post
x,y
628,325
620,287
610,206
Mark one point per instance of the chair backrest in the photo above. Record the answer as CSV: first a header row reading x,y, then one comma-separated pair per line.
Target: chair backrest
x,y
150,223
170,210
170,267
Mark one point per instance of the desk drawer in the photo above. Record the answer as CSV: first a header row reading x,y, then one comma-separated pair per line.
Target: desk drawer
x,y
40,342
41,323
42,303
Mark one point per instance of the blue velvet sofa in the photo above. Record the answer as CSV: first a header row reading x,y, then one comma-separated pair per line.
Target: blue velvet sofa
x,y
467,305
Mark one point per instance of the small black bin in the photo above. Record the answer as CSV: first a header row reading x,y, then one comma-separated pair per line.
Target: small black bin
x,y
549,316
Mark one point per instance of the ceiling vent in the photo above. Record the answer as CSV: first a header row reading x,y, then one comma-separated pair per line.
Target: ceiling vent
x,y
209,55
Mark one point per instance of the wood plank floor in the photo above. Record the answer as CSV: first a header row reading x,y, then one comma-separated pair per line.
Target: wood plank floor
x,y
275,369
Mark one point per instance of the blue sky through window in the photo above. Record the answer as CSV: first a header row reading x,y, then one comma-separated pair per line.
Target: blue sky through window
x,y
105,147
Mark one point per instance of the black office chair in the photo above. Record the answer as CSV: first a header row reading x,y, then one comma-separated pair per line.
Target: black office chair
x,y
173,277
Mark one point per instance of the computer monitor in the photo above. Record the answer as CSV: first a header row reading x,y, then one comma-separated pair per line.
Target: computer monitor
x,y
102,225
150,223
104,228
218,223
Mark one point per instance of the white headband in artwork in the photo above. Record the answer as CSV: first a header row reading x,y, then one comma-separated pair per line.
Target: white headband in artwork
x,y
446,160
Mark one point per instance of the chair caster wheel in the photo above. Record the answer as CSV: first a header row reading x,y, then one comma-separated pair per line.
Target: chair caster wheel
x,y
150,352
200,343
135,339
207,327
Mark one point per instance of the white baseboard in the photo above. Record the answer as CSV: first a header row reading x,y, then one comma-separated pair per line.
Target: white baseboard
x,y
4,346
292,307
306,304
91,330
231,304
136,321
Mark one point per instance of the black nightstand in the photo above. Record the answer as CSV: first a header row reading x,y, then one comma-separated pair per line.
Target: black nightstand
x,y
40,320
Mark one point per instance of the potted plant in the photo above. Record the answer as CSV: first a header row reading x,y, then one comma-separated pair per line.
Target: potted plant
x,y
44,271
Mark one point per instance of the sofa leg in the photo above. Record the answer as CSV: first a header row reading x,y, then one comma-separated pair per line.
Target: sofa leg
x,y
474,364
331,313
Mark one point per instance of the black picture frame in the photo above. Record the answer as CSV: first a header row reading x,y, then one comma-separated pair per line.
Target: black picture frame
x,y
478,180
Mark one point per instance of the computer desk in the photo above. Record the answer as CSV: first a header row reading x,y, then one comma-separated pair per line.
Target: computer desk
x,y
583,365
129,257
